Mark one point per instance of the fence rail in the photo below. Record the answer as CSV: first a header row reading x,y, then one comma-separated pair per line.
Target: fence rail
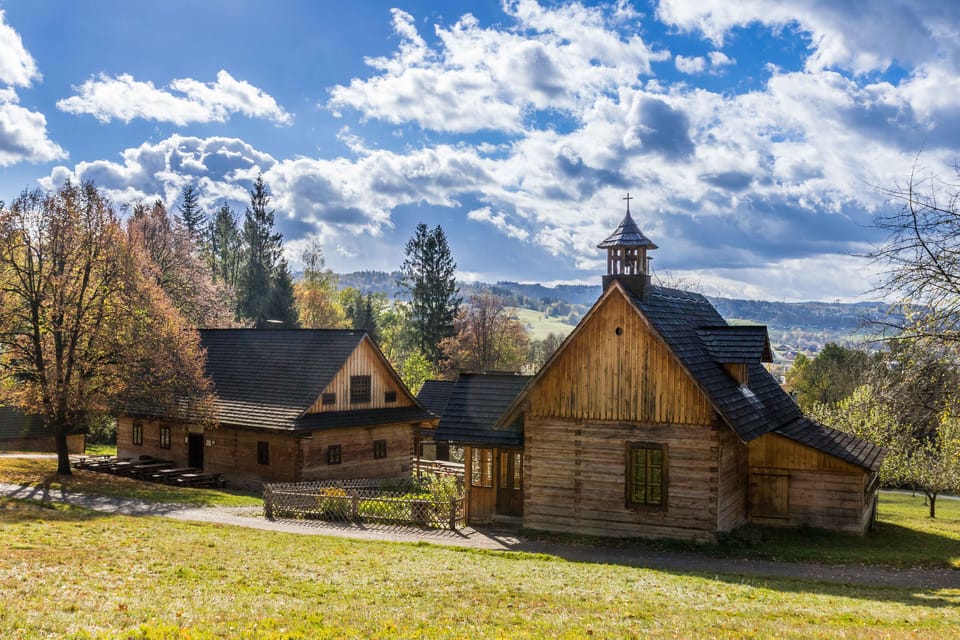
x,y
372,501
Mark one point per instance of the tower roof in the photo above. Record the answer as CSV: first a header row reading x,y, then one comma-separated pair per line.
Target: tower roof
x,y
628,234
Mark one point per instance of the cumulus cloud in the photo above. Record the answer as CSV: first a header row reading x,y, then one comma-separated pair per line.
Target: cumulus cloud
x,y
692,65
185,101
492,78
23,133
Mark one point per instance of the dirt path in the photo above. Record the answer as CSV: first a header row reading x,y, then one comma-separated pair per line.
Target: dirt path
x,y
508,540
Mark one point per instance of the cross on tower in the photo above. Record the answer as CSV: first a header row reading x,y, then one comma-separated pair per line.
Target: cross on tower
x,y
628,199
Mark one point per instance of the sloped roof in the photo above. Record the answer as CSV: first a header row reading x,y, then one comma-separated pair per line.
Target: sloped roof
x,y
434,395
268,378
627,234
844,446
737,343
475,406
15,424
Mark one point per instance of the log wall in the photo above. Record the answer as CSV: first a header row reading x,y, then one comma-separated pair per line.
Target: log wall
x,y
362,362
76,443
356,446
575,479
733,481
792,485
617,369
151,441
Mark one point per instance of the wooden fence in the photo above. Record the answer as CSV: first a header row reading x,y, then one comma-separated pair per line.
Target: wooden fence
x,y
401,502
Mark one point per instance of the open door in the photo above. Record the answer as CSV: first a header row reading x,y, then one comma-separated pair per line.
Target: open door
x,y
510,485
195,450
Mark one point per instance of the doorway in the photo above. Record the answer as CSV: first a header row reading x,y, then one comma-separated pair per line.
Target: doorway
x,y
195,450
510,485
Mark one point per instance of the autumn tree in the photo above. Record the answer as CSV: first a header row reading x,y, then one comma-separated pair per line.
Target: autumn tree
x,y
191,214
266,286
84,327
427,276
318,305
829,377
224,247
542,350
488,338
177,268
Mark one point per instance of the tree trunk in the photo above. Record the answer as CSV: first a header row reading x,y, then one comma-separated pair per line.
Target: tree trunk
x,y
63,453
932,498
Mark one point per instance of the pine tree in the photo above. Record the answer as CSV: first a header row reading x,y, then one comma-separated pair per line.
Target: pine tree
x,y
223,248
427,275
266,287
191,215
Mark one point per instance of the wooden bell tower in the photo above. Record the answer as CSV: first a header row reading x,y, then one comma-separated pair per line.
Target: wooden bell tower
x,y
627,259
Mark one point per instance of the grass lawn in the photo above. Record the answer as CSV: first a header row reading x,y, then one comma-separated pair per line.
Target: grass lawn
x,y
100,450
42,471
68,572
539,325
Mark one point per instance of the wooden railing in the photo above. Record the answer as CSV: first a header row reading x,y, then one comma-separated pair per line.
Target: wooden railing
x,y
423,468
374,501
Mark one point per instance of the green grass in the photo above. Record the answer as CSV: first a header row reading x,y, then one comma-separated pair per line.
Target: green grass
x,y
42,472
100,450
539,325
68,572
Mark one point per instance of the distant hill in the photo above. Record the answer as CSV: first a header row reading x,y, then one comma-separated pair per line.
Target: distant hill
x,y
804,326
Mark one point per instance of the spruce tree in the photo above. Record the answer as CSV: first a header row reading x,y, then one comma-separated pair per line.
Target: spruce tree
x,y
266,287
224,247
191,215
427,275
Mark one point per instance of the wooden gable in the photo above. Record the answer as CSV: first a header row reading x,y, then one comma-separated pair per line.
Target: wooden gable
x,y
614,367
366,360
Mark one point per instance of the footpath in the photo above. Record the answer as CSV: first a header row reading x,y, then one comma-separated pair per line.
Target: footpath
x,y
507,540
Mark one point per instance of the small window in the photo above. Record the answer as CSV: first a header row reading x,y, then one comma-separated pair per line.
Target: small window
x,y
379,448
334,454
390,396
646,475
481,467
138,433
263,452
164,437
359,389
328,399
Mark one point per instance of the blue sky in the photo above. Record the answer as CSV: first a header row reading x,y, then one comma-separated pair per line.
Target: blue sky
x,y
751,134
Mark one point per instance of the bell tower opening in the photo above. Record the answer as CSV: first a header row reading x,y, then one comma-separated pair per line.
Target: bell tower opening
x,y
627,259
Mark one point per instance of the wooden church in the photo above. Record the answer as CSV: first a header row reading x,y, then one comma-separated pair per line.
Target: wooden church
x,y
654,418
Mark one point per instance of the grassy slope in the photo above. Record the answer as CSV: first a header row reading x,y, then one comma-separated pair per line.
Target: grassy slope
x,y
538,325
70,571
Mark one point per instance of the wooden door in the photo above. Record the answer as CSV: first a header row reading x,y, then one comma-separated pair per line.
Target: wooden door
x,y
195,450
510,483
770,494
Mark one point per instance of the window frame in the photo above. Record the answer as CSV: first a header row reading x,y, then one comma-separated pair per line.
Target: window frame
x,y
379,449
263,452
390,396
361,389
334,454
165,436
481,467
328,399
630,476
136,435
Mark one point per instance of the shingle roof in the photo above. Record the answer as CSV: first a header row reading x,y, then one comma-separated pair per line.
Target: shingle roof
x,y
689,325
737,343
267,378
627,234
15,424
434,395
476,404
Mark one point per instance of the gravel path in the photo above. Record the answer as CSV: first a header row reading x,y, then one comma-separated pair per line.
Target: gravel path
x,y
504,539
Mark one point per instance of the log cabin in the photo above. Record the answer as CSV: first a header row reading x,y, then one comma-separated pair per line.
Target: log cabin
x,y
25,432
655,418
292,405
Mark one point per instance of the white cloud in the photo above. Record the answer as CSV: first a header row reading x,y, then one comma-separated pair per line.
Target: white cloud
x,y
691,65
17,66
186,101
23,134
486,78
720,59
498,220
